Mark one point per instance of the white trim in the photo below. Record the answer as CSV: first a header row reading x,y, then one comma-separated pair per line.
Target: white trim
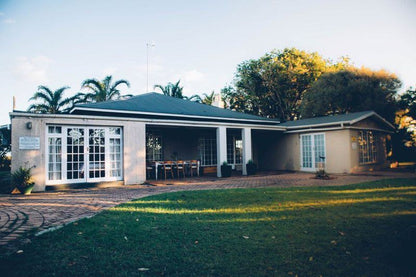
x,y
316,130
341,123
149,121
317,125
370,129
371,114
170,115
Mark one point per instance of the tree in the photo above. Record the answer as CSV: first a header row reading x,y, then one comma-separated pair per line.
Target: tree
x,y
173,90
5,147
101,90
50,101
274,85
352,90
406,118
206,98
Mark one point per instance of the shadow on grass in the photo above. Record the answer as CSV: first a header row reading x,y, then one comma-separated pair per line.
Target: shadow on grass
x,y
366,229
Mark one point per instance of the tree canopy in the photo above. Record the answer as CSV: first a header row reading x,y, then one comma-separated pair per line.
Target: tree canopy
x,y
100,91
406,117
352,90
173,90
273,85
50,101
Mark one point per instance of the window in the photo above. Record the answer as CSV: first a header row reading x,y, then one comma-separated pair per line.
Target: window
x,y
208,150
368,147
83,154
154,150
234,150
115,152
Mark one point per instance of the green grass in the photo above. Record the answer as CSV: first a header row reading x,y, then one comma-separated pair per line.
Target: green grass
x,y
359,230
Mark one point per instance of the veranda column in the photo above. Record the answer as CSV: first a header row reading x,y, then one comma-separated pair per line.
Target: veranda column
x,y
247,155
221,148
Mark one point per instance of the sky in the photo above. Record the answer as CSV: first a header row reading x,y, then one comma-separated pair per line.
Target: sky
x,y
60,43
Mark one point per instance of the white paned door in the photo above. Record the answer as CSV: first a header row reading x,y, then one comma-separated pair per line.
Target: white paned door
x,y
312,151
84,154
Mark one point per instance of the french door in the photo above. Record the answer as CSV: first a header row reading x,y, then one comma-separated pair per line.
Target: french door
x,y
312,149
83,154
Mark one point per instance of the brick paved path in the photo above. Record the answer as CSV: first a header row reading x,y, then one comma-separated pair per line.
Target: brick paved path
x,y
22,216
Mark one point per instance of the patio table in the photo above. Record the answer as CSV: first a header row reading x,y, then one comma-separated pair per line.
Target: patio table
x,y
160,163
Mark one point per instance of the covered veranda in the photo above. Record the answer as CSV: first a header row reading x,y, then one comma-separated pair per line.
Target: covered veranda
x,y
184,151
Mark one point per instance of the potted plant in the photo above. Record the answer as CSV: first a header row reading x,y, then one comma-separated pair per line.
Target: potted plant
x,y
251,167
226,169
22,180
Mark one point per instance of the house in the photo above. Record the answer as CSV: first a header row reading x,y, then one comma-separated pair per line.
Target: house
x,y
112,141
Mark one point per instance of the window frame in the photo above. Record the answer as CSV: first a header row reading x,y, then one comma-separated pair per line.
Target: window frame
x,y
367,149
64,154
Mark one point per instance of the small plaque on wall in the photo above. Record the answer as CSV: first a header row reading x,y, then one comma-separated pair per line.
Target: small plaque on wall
x,y
29,143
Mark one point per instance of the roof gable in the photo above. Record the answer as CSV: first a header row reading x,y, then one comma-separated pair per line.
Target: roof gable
x,y
159,104
349,118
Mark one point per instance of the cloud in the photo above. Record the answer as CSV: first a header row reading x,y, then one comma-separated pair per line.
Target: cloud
x,y
33,69
192,76
191,80
9,21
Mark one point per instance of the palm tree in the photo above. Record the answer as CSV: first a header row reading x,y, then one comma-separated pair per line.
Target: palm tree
x,y
173,90
51,101
195,98
207,98
101,90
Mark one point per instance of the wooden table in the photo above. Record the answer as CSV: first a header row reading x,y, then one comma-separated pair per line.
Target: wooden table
x,y
174,163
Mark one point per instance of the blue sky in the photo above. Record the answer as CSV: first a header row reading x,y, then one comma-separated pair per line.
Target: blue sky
x,y
61,43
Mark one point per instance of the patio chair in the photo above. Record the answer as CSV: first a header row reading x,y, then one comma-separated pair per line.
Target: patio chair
x,y
150,170
193,166
180,167
168,167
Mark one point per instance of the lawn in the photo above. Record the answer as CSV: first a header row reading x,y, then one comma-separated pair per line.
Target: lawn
x,y
358,230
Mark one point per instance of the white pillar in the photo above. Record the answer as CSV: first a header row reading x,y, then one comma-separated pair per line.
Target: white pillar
x,y
247,155
221,148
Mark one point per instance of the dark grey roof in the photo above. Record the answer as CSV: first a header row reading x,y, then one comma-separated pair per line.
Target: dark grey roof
x,y
156,103
348,118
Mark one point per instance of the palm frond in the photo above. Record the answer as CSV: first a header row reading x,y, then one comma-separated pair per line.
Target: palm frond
x,y
120,82
92,84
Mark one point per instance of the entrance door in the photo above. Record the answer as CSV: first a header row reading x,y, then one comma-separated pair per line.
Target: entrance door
x,y
312,151
78,154
75,154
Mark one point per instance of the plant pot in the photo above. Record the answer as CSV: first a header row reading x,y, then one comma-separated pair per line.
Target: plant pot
x,y
226,170
251,169
26,190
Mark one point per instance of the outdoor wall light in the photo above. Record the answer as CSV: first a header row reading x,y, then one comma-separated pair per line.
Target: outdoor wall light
x,y
29,125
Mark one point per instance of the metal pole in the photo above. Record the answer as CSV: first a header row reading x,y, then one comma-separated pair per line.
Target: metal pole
x,y
151,44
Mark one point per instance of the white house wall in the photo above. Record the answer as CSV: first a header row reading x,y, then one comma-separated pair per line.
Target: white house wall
x,y
134,154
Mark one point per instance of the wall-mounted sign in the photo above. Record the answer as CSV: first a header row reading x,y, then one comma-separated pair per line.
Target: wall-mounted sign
x,y
29,143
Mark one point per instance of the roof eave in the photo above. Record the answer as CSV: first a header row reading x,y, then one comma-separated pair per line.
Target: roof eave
x,y
173,115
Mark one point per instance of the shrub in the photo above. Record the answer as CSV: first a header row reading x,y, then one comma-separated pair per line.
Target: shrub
x,y
22,178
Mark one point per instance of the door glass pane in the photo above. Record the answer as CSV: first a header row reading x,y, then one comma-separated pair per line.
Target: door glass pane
x,y
115,157
306,152
319,147
54,158
75,153
96,147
